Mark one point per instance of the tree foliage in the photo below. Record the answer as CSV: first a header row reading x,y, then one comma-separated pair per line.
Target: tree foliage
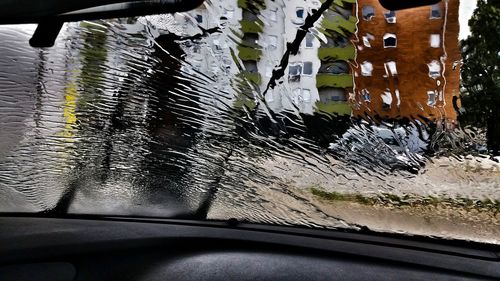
x,y
481,73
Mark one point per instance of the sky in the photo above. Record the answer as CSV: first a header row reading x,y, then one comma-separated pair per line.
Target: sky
x,y
466,9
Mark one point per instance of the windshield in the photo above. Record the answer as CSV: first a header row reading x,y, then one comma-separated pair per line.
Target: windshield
x,y
324,114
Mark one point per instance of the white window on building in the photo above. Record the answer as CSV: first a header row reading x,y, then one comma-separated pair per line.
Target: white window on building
x,y
431,98
273,14
366,42
435,11
308,68
368,12
390,16
294,71
309,40
398,98
306,95
299,12
434,69
390,68
216,45
229,12
269,70
270,95
296,97
367,38
272,42
196,49
366,68
387,98
390,40
366,95
435,40
199,18
299,15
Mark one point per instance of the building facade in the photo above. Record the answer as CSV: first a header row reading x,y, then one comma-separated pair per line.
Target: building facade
x,y
317,78
407,62
391,65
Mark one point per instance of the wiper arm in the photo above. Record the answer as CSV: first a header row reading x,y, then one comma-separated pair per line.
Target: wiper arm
x,y
202,212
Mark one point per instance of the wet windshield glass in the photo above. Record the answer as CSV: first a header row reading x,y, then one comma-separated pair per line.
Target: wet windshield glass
x,y
327,114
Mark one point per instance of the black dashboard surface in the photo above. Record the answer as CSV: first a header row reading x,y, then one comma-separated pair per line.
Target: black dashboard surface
x,y
121,249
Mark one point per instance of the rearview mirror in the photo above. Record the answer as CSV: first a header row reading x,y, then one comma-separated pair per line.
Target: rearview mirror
x,y
394,5
51,14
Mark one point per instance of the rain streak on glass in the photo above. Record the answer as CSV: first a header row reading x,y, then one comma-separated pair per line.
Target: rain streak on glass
x,y
328,114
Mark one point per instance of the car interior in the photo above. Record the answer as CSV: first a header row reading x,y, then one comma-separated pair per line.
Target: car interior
x,y
86,248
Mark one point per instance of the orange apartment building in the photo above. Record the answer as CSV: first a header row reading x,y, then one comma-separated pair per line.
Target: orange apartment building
x,y
407,62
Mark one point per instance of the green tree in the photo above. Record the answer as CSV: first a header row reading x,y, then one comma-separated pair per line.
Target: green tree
x,y
481,73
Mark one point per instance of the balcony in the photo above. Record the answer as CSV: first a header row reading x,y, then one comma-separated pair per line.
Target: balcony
x,y
334,107
248,26
251,4
243,101
253,77
249,53
334,54
334,80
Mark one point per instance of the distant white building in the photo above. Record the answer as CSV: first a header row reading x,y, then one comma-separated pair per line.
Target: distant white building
x,y
256,36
